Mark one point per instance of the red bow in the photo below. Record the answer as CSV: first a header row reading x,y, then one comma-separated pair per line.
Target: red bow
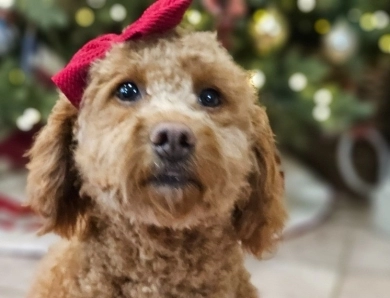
x,y
160,17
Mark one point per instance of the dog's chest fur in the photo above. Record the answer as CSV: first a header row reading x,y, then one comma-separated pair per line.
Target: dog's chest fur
x,y
152,262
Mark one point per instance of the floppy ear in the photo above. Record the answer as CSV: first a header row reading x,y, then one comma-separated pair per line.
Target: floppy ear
x,y
52,188
259,218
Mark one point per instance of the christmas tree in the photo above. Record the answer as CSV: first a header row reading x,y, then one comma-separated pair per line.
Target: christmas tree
x,y
308,58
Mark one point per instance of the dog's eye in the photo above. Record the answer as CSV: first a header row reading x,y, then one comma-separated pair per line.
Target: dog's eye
x,y
128,92
210,98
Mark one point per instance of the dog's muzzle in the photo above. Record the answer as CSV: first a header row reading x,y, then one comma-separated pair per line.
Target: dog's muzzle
x,y
172,142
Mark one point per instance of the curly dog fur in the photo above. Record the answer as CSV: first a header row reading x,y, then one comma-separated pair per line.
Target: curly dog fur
x,y
124,237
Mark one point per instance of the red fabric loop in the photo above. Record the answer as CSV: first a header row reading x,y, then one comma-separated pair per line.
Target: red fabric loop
x,y
160,17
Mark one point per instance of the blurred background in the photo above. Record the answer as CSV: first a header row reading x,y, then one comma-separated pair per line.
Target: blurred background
x,y
322,69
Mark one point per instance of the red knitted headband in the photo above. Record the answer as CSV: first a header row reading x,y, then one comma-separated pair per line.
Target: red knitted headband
x,y
161,16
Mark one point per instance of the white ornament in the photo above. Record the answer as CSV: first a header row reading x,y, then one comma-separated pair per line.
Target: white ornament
x,y
341,42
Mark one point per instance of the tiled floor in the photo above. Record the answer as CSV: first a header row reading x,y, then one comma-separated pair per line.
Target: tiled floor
x,y
343,258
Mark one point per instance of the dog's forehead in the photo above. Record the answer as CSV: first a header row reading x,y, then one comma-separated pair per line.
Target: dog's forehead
x,y
162,56
174,46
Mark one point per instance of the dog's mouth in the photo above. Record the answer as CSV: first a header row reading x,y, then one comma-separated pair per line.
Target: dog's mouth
x,y
173,176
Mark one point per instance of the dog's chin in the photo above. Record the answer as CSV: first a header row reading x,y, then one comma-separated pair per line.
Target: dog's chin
x,y
174,189
171,204
173,194
173,180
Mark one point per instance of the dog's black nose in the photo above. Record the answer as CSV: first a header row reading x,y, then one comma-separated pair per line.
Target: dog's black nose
x,y
172,141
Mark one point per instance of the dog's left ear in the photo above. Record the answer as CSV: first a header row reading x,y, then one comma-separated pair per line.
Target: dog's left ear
x,y
52,187
259,218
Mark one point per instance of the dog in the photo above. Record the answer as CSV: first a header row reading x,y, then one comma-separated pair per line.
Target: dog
x,y
162,180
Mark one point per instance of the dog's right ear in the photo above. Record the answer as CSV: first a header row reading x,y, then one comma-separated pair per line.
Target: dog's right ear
x,y
52,188
259,220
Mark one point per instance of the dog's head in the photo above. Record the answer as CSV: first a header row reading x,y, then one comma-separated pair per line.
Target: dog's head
x,y
168,134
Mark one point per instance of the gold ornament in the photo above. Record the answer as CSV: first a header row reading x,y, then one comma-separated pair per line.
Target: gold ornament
x,y
269,30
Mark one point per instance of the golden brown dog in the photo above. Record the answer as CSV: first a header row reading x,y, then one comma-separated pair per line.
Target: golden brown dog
x,y
162,179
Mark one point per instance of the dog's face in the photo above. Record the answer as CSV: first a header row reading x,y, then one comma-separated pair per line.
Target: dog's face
x,y
168,134
163,130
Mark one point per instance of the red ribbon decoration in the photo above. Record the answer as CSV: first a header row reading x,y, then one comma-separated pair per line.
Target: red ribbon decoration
x,y
161,16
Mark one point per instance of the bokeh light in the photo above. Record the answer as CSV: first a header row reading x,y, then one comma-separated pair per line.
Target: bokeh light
x,y
306,5
381,18
29,118
85,17
96,3
297,82
322,26
194,17
354,15
321,113
266,23
258,79
16,76
118,12
323,97
384,43
367,22
6,3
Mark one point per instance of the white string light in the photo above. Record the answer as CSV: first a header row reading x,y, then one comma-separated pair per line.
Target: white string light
x,y
381,19
194,17
96,3
6,3
29,118
306,5
323,97
298,81
118,12
321,113
258,79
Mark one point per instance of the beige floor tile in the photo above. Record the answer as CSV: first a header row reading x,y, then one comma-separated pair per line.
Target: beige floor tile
x,y
366,286
322,247
288,279
11,293
370,253
16,274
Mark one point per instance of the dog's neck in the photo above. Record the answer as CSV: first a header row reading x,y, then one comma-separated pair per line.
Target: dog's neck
x,y
160,240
